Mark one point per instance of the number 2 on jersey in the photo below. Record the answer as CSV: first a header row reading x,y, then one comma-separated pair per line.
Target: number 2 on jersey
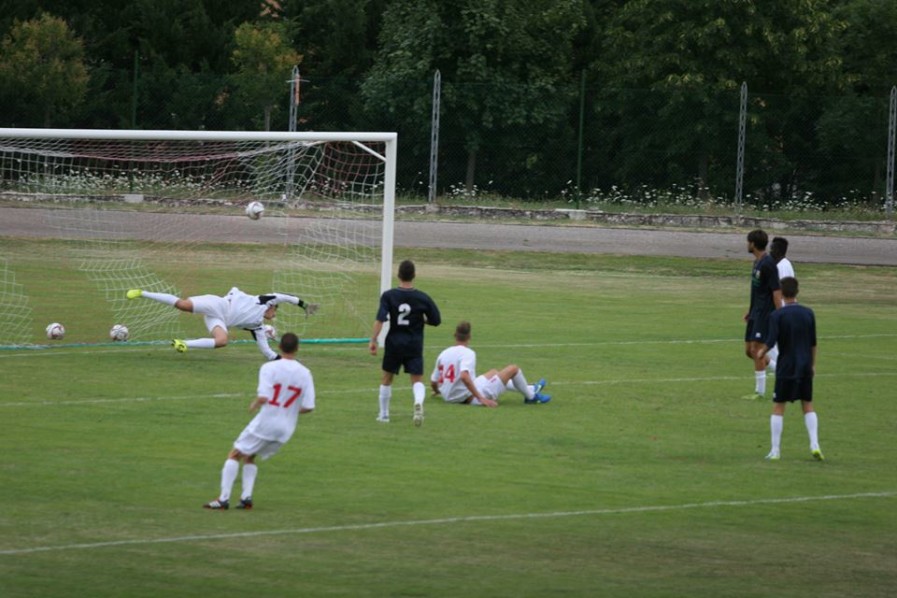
x,y
402,318
277,388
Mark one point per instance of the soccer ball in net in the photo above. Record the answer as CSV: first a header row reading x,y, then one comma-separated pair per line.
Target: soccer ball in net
x,y
271,332
254,210
55,331
119,333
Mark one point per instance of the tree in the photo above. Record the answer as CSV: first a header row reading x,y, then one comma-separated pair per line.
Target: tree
x,y
505,71
43,62
671,72
337,40
853,126
264,61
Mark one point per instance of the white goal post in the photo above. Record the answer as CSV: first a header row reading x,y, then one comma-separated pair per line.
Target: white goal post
x,y
163,210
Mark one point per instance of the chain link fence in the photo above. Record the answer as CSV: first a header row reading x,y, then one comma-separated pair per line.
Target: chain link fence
x,y
607,145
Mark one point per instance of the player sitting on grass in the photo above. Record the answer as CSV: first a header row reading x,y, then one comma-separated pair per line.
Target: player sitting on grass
x,y
454,377
236,309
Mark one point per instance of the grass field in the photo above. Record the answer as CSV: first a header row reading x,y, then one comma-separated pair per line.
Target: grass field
x,y
643,477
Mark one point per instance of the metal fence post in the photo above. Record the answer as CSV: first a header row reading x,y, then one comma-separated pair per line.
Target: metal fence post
x,y
434,136
892,127
739,165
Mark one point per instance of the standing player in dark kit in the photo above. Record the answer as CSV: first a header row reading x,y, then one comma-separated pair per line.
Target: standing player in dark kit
x,y
793,328
407,310
765,298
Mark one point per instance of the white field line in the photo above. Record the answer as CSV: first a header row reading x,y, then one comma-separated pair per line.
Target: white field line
x,y
449,521
38,403
54,352
686,380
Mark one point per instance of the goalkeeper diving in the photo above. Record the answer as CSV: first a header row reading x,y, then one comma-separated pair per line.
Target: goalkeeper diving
x,y
236,309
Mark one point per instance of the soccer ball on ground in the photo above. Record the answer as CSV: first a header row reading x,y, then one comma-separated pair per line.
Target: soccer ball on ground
x,y
254,210
271,332
119,333
55,331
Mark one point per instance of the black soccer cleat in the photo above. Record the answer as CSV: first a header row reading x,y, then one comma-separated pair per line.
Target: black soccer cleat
x,y
245,504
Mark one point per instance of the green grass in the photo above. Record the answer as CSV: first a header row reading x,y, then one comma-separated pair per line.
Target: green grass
x,y
643,477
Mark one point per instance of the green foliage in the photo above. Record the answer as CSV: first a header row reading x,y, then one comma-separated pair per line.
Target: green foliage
x,y
42,65
670,75
504,67
643,477
263,60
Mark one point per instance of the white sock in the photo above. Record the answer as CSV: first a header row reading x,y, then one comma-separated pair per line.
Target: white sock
x,y
161,297
385,396
760,382
201,343
250,471
521,386
228,475
776,423
420,392
773,357
812,424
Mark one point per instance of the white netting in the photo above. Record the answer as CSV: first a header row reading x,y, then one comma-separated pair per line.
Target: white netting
x,y
16,313
143,213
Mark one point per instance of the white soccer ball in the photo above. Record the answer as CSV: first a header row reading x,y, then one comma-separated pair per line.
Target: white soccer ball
x,y
119,333
254,210
55,331
271,332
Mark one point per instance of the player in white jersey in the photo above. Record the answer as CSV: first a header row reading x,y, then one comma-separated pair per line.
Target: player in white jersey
x,y
778,248
454,377
285,390
236,309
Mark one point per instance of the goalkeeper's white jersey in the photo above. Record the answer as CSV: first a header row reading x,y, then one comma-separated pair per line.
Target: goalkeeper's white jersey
x,y
447,373
288,386
248,311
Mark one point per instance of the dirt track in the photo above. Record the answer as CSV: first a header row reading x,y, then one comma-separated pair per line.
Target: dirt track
x,y
33,223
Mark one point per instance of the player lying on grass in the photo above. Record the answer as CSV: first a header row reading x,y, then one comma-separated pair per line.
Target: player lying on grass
x,y
454,377
236,309
286,389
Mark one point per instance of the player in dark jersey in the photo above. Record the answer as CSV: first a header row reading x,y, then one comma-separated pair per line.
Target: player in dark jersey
x,y
407,310
793,328
765,297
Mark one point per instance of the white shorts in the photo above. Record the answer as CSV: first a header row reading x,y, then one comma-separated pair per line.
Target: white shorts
x,y
213,308
491,388
250,444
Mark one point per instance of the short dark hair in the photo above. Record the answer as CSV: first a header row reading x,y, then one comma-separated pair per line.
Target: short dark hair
x,y
789,287
778,247
759,238
462,332
289,343
406,271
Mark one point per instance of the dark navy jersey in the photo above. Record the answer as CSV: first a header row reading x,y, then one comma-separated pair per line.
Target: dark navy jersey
x,y
407,310
793,328
764,280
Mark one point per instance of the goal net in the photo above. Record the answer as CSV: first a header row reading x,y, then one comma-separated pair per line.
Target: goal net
x,y
164,211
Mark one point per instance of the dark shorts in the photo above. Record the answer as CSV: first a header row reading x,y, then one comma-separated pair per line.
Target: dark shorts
x,y
757,328
413,363
789,390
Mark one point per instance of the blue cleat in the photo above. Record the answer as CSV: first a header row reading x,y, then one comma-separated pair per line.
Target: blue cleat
x,y
538,398
538,386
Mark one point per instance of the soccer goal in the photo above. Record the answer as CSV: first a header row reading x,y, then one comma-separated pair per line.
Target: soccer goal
x,y
165,211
